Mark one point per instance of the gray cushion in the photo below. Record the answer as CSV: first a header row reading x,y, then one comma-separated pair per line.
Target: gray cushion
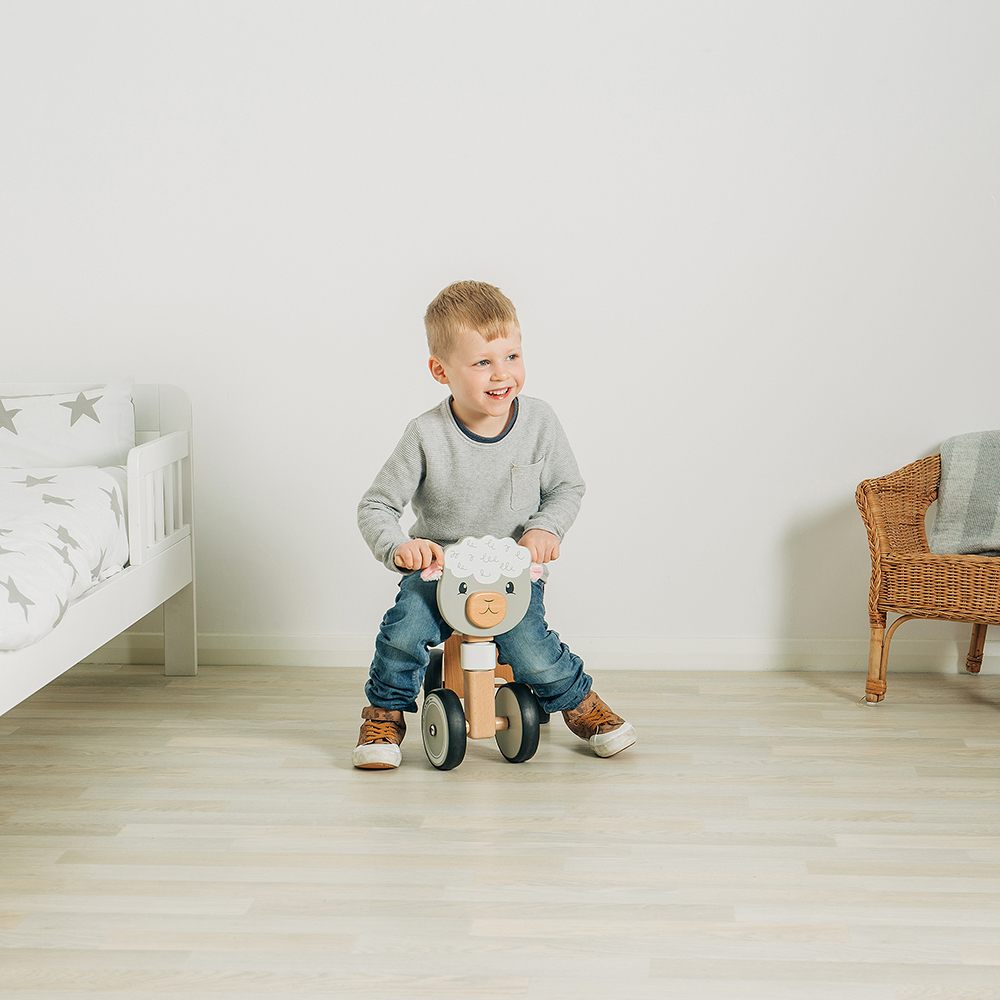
x,y
968,515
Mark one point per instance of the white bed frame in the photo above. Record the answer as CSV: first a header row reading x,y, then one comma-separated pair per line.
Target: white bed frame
x,y
160,570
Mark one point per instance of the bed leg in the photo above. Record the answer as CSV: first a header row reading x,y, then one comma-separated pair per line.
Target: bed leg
x,y
180,634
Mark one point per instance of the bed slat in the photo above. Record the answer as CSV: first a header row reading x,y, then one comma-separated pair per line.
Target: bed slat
x,y
156,474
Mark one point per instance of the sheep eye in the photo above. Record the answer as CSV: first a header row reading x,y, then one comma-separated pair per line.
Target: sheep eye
x,y
510,587
463,588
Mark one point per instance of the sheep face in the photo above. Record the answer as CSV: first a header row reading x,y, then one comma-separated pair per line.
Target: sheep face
x,y
485,588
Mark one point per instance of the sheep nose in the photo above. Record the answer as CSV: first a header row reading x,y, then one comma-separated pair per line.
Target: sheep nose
x,y
486,609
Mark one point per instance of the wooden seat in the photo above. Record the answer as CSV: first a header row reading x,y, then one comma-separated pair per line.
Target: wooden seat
x,y
911,581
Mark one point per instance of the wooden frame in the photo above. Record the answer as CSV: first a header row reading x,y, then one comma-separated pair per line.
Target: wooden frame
x,y
452,675
160,570
475,687
911,581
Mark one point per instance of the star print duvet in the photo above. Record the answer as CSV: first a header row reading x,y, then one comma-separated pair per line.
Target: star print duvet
x,y
62,531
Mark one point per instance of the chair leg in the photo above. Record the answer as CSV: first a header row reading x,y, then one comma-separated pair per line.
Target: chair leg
x,y
879,648
974,661
875,685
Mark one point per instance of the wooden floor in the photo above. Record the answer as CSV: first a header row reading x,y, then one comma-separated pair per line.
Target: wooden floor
x,y
767,837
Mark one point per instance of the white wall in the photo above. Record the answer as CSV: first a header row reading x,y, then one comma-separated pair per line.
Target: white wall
x,y
754,249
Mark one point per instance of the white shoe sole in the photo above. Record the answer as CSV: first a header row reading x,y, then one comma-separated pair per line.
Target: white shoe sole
x,y
376,756
608,744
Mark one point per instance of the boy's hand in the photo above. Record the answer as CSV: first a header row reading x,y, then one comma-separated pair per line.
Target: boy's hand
x,y
543,545
418,553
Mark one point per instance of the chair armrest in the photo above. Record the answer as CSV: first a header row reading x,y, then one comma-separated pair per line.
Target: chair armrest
x,y
893,507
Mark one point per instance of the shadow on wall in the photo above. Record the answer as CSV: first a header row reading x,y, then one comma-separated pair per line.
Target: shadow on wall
x,y
826,574
827,570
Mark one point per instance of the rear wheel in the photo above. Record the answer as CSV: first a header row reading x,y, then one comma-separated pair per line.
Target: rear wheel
x,y
543,716
434,678
442,725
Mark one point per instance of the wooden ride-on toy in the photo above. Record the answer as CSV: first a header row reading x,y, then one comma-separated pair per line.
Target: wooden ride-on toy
x,y
483,591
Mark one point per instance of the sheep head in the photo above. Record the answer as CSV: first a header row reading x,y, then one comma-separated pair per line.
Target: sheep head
x,y
485,586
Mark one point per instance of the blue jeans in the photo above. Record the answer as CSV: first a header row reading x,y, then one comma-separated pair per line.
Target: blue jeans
x,y
413,623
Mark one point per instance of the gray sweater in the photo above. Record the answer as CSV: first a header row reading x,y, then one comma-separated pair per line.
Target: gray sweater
x,y
460,484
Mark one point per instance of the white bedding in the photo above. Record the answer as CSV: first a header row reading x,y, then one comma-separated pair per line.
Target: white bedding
x,y
62,531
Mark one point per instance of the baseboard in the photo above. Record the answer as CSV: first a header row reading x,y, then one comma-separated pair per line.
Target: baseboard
x,y
599,652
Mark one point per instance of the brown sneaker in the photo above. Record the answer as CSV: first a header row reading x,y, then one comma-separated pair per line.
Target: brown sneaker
x,y
594,722
379,739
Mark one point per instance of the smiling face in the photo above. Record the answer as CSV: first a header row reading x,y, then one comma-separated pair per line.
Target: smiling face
x,y
484,377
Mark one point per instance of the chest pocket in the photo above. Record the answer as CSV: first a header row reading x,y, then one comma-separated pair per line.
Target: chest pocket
x,y
525,485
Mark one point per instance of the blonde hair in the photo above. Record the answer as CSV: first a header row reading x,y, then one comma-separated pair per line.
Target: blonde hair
x,y
464,306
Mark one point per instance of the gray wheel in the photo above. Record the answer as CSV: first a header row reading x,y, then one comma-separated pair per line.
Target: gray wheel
x,y
517,703
442,725
434,678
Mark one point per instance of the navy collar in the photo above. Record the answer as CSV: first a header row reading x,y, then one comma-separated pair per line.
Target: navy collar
x,y
478,437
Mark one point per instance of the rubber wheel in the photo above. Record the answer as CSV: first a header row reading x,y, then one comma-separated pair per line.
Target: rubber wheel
x,y
434,678
517,703
442,725
543,716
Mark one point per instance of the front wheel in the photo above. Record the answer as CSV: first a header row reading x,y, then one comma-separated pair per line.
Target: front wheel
x,y
442,725
517,703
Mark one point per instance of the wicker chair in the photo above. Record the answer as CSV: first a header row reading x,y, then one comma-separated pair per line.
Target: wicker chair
x,y
911,581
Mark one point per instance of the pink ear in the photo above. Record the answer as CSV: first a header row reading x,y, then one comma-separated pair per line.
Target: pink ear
x,y
536,571
433,572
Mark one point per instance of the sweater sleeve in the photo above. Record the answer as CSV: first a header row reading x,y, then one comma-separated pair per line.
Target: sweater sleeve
x,y
385,500
562,486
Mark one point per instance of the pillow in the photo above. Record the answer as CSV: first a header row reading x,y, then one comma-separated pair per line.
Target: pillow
x,y
94,427
968,515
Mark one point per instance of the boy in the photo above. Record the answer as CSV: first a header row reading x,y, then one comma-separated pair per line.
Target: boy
x,y
481,462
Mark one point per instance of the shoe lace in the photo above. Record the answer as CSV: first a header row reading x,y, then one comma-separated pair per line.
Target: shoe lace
x,y
381,731
598,715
